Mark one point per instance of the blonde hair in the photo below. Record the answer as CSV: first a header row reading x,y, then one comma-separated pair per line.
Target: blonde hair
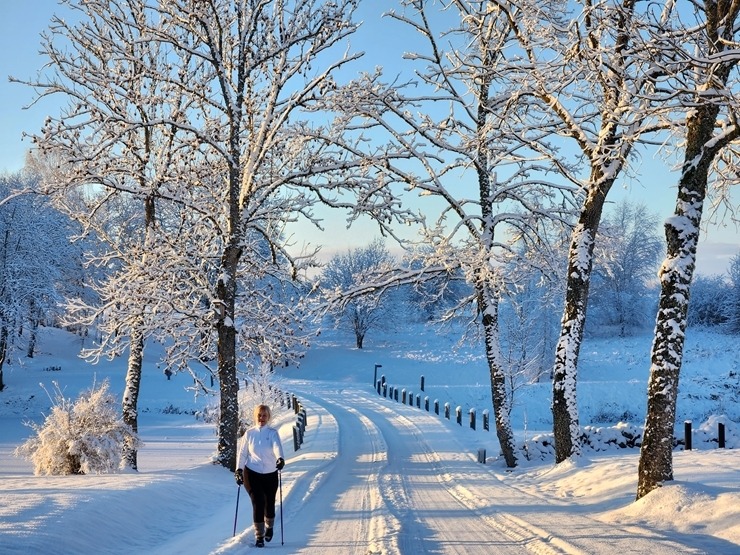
x,y
257,411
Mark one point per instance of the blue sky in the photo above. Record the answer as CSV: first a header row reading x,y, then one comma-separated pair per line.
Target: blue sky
x,y
20,26
22,22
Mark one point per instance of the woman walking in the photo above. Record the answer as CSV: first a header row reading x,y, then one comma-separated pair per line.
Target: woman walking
x,y
258,461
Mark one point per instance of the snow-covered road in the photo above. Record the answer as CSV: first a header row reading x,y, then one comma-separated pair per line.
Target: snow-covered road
x,y
373,476
390,478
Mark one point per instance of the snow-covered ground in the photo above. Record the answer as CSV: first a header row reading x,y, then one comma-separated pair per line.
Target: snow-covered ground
x,y
377,476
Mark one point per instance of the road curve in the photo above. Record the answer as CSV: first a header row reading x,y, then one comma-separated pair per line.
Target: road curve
x,y
390,489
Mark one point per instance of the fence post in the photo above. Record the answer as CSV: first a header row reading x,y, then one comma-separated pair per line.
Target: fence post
x,y
436,406
296,442
422,383
721,435
485,420
418,401
447,411
395,393
403,396
411,398
687,434
458,415
299,421
385,390
472,419
426,403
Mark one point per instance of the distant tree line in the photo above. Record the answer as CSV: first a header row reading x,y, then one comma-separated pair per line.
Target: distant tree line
x,y
40,266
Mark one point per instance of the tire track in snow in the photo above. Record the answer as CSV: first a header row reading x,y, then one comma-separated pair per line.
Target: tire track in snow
x,y
436,501
519,533
338,507
509,511
435,495
426,508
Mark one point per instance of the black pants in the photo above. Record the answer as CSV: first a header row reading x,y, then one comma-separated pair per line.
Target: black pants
x,y
262,489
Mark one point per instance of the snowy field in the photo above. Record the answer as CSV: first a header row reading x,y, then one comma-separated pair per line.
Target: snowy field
x,y
377,476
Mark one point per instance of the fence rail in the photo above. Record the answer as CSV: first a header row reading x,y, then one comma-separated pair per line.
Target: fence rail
x,y
391,392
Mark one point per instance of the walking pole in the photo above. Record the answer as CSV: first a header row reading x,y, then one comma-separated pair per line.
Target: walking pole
x,y
280,485
236,513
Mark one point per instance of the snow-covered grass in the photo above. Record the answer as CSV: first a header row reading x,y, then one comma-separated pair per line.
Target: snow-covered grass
x,y
180,503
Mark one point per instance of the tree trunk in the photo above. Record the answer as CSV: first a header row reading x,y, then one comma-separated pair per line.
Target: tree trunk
x,y
136,350
226,353
489,308
682,236
566,427
131,393
3,352
32,338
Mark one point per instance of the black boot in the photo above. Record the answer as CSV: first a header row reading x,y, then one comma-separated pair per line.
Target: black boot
x,y
269,522
259,534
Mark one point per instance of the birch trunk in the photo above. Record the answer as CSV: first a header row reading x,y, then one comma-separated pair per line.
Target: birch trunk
x,y
682,236
704,140
501,409
131,393
566,427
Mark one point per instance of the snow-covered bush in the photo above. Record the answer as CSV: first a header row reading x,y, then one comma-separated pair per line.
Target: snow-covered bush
x,y
81,437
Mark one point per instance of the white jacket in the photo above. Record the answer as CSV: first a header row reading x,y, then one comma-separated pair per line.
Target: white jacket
x,y
259,449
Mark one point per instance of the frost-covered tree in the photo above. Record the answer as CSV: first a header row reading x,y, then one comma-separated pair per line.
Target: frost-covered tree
x,y
530,313
625,263
478,181
345,271
112,176
731,307
603,110
257,72
226,99
706,82
528,325
708,296
498,93
83,436
35,257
